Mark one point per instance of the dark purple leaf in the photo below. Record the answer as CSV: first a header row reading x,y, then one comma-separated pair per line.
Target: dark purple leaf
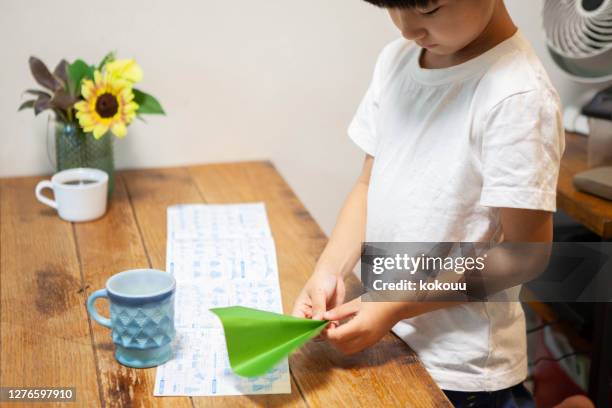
x,y
26,105
60,114
62,100
42,75
36,92
61,70
41,104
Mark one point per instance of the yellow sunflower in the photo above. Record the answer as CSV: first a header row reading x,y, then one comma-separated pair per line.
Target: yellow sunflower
x,y
108,105
126,69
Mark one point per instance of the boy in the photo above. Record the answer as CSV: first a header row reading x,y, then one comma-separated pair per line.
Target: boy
x,y
463,138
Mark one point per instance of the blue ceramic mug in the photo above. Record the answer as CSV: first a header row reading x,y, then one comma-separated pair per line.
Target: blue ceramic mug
x,y
141,315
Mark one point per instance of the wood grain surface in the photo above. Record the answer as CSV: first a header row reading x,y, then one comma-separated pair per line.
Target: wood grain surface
x,y
48,267
593,212
44,327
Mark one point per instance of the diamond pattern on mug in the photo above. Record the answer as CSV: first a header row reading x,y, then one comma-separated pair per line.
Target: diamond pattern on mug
x,y
145,326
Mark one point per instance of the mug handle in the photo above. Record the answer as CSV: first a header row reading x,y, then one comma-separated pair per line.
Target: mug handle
x,y
39,188
104,321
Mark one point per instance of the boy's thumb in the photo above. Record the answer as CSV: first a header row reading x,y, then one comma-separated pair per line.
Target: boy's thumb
x,y
343,311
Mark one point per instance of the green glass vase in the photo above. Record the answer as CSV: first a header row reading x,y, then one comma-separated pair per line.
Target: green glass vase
x,y
75,148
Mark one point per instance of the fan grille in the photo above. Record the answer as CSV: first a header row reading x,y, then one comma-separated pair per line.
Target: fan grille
x,y
578,28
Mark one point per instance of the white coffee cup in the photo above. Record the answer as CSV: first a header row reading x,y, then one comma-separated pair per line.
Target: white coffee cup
x,y
80,194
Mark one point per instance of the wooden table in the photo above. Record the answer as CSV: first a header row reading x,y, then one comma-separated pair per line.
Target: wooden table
x,y
48,267
593,212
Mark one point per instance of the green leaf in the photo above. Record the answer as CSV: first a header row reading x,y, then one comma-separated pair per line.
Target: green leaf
x,y
26,105
77,71
107,58
147,104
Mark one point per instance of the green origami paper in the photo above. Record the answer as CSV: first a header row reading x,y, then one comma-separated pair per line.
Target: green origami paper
x,y
257,340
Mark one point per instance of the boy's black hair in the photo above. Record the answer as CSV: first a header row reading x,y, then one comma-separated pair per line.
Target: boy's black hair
x,y
401,3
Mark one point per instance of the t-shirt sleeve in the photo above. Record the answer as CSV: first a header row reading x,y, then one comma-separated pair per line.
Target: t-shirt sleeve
x,y
362,129
523,141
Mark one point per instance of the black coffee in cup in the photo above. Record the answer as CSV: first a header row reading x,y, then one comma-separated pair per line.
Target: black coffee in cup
x,y
79,182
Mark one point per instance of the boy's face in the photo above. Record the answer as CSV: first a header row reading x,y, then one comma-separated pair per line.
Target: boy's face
x,y
445,26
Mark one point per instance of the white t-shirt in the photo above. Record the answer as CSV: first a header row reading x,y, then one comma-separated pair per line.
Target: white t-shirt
x,y
451,146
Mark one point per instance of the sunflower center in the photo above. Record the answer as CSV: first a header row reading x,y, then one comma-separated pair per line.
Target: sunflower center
x,y
107,105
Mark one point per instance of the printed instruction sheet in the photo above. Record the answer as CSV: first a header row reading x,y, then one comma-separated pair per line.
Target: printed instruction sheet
x,y
220,255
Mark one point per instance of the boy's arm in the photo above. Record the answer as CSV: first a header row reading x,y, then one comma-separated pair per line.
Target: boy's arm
x,y
344,247
519,226
372,320
325,289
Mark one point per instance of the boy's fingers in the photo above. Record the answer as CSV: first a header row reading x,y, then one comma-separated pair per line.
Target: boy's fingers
x,y
323,335
343,311
319,303
330,326
354,346
297,310
301,311
344,333
301,306
351,339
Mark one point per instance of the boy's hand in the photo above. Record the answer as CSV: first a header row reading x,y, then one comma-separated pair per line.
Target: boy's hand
x,y
323,291
370,322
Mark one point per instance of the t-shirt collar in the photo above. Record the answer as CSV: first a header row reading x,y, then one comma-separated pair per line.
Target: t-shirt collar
x,y
439,76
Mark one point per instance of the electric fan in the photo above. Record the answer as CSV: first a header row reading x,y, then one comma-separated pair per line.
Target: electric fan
x,y
579,40
579,37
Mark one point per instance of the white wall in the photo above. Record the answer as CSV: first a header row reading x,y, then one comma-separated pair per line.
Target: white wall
x,y
240,79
